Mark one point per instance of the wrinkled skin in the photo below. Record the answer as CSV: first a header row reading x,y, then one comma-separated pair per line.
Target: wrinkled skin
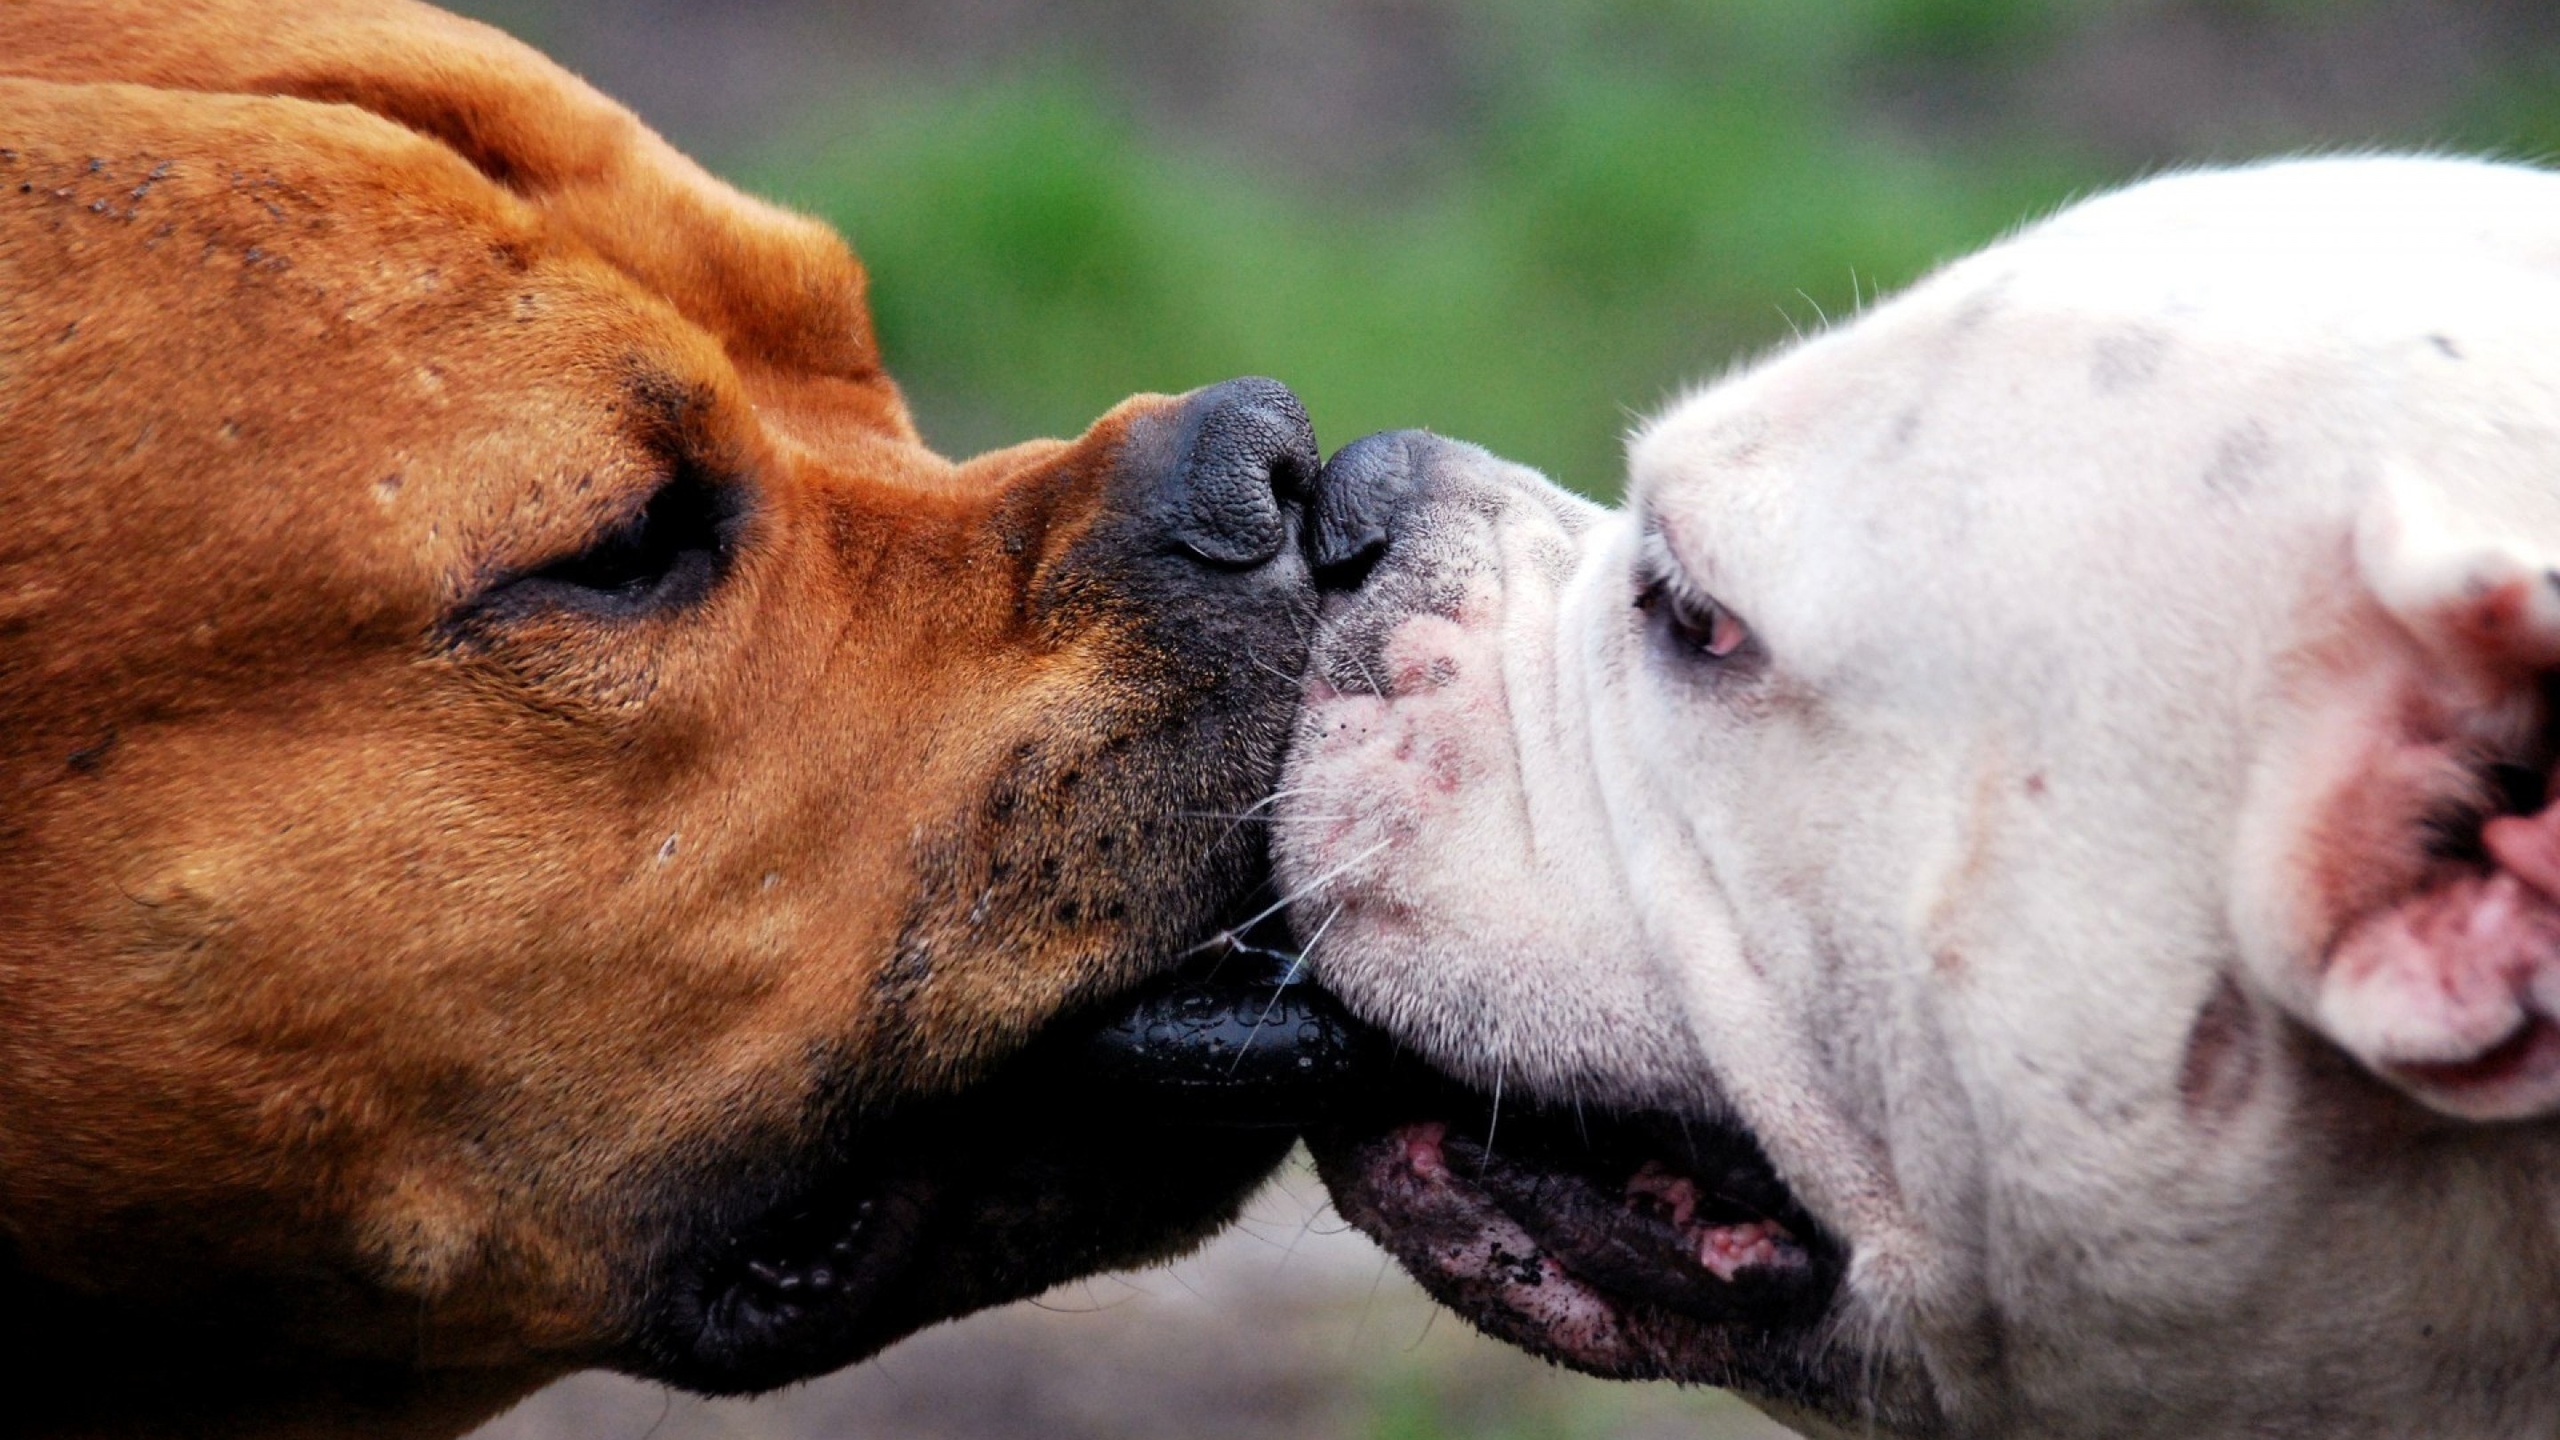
x,y
517,766
2060,769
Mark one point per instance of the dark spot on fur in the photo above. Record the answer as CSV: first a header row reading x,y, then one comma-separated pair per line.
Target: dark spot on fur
x,y
2445,346
1899,435
2035,783
2220,1070
91,758
2127,359
2239,459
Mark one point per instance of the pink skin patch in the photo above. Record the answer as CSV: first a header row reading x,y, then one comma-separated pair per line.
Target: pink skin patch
x,y
2452,993
1493,1260
1418,1146
1728,1250
1725,1250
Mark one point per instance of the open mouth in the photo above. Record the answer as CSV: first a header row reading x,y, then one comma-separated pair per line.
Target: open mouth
x,y
1631,1246
1122,1137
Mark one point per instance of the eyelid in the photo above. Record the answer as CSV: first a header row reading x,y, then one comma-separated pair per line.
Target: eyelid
x,y
1703,624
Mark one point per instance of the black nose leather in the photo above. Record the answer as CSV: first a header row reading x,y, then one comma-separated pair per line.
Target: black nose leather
x,y
1356,497
1241,450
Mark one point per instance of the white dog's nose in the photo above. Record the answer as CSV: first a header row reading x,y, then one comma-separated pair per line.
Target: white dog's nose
x,y
1356,498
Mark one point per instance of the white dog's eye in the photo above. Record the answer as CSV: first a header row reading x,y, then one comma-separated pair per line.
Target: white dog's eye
x,y
1699,622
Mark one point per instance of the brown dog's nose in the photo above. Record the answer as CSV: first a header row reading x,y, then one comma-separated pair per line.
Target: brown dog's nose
x,y
1239,453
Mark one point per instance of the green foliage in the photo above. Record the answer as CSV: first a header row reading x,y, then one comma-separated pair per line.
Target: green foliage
x,y
1034,259
1655,189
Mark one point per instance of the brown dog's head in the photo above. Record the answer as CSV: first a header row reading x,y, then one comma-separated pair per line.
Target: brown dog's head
x,y
536,811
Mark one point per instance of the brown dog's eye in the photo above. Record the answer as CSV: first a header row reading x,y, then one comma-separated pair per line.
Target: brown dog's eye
x,y
1698,623
667,554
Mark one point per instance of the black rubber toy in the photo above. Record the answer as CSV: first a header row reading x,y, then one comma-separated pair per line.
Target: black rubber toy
x,y
1241,1038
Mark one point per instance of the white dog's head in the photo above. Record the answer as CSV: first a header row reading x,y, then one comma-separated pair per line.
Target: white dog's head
x,y
2009,891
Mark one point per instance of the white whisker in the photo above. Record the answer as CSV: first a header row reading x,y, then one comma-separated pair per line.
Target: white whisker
x,y
1307,951
1229,935
1297,964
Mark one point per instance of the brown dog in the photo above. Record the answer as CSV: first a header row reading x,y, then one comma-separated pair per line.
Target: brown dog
x,y
535,809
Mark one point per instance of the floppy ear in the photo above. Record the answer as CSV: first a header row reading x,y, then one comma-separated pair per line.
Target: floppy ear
x,y
778,289
2450,989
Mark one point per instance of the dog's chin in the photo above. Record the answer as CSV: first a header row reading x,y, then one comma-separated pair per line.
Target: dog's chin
x,y
987,1199
1629,1246
1128,1132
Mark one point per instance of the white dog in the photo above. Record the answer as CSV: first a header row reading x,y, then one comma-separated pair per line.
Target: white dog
x,y
2037,808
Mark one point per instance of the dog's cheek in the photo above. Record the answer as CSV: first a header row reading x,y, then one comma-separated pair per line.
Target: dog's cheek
x,y
1110,827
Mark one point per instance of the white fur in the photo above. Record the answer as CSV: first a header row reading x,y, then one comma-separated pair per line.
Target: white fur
x,y
2091,574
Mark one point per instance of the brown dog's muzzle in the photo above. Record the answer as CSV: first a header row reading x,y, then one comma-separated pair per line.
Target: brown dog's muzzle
x,y
970,1151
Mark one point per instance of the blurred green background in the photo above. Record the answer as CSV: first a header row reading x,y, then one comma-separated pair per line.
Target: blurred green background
x,y
1517,221
1522,222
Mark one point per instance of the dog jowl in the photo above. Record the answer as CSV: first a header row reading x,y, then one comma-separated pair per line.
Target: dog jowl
x,y
538,814
2010,890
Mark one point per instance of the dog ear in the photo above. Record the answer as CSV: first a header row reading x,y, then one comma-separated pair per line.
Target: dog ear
x,y
2476,600
2450,989
779,290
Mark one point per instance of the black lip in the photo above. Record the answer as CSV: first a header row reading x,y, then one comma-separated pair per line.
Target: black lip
x,y
1565,1186
1555,1183
1124,1134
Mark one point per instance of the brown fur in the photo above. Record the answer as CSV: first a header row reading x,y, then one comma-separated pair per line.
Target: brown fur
x,y
367,957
